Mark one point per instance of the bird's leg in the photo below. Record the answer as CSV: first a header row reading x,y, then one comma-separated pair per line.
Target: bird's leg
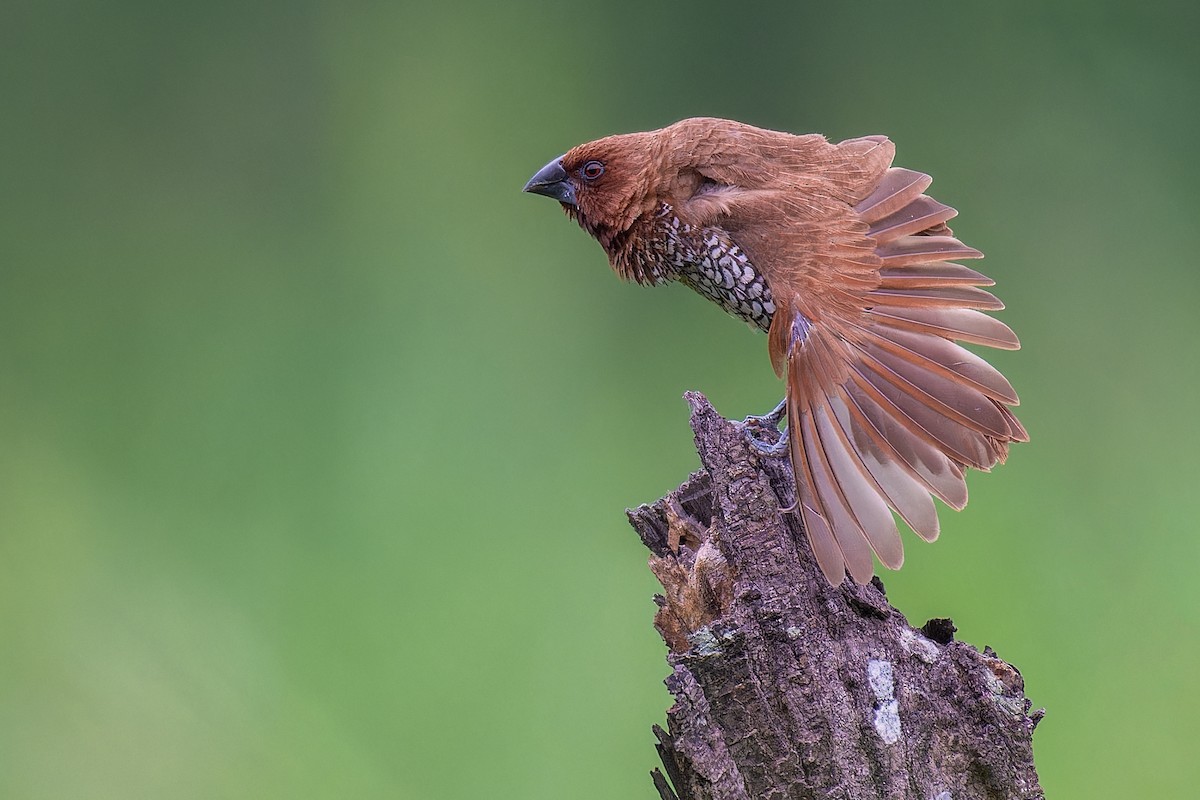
x,y
779,447
778,444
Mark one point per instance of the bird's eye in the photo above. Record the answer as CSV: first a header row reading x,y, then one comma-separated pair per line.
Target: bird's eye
x,y
592,170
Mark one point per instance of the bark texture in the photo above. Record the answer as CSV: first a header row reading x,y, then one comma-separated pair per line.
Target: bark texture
x,y
786,687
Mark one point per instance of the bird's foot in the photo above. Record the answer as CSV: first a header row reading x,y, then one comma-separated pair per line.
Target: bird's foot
x,y
775,442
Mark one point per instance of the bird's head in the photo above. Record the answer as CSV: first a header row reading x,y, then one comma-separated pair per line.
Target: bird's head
x,y
606,184
696,166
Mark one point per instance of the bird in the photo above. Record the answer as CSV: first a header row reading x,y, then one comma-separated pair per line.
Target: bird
x,y
851,271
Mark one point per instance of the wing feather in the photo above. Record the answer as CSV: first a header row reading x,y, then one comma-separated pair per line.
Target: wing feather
x,y
954,439
921,214
886,411
919,249
863,496
957,400
905,492
898,436
963,324
812,513
936,297
897,189
936,273
847,532
943,355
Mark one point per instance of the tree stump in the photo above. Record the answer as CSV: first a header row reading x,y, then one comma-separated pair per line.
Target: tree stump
x,y
786,687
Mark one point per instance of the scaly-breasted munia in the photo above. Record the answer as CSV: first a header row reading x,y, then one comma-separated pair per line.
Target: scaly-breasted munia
x,y
848,266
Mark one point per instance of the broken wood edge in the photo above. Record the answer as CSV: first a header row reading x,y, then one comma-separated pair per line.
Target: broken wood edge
x,y
785,686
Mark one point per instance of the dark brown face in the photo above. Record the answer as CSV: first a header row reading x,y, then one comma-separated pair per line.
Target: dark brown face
x,y
597,186
603,184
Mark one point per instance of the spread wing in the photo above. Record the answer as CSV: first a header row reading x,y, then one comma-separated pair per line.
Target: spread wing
x,y
885,410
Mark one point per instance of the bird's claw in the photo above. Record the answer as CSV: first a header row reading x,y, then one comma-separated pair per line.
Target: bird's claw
x,y
776,449
776,442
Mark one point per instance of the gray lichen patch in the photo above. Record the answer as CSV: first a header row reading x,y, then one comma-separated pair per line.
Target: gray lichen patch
x,y
918,645
887,710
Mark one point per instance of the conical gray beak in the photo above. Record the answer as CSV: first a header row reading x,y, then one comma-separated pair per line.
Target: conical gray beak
x,y
552,181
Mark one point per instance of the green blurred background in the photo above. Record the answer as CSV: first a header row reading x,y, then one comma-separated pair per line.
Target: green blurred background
x,y
315,434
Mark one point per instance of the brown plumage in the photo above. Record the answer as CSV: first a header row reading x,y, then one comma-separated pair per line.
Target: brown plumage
x,y
850,268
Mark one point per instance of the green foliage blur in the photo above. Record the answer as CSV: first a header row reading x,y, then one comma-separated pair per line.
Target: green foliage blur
x,y
316,433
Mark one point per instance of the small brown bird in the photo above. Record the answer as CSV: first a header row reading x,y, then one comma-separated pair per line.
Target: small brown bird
x,y
847,265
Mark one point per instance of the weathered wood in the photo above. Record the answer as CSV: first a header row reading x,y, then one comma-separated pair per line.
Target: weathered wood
x,y
786,687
